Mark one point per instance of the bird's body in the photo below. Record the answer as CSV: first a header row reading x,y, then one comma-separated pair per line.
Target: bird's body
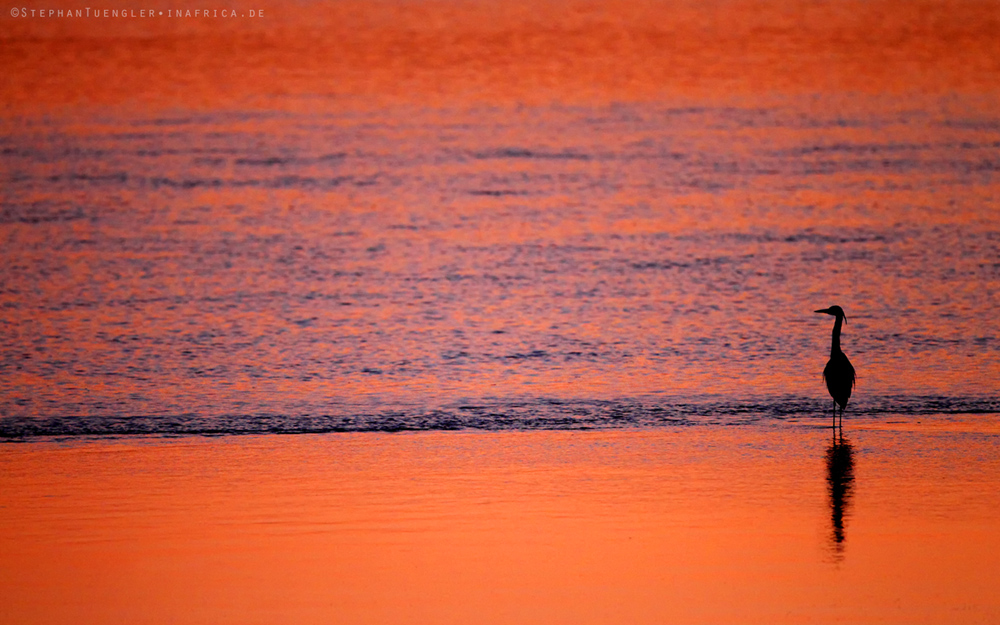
x,y
839,376
839,372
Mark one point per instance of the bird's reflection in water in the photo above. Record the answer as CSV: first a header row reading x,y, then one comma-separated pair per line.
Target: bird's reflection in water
x,y
840,484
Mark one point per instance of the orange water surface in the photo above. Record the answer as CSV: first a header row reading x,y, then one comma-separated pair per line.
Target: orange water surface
x,y
456,52
397,202
441,208
692,525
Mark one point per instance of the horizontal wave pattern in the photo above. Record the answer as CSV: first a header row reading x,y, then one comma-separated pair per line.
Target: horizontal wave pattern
x,y
526,415
250,272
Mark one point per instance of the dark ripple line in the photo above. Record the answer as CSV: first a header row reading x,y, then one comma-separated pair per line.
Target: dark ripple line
x,y
544,414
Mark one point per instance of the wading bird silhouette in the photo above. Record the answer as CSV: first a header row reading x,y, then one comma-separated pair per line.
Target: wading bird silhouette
x,y
838,373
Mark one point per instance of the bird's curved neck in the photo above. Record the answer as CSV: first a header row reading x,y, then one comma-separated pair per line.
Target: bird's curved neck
x,y
835,347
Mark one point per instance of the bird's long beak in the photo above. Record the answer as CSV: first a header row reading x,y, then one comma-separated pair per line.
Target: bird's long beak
x,y
825,310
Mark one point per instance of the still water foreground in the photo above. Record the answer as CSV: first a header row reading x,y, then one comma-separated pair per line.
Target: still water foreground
x,y
894,523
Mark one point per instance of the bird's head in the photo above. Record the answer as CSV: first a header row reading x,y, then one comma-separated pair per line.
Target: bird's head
x,y
836,311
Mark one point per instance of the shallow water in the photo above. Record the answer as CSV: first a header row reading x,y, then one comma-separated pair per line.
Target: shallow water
x,y
589,234
692,525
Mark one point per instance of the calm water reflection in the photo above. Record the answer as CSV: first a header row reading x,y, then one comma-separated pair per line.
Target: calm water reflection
x,y
683,525
840,486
